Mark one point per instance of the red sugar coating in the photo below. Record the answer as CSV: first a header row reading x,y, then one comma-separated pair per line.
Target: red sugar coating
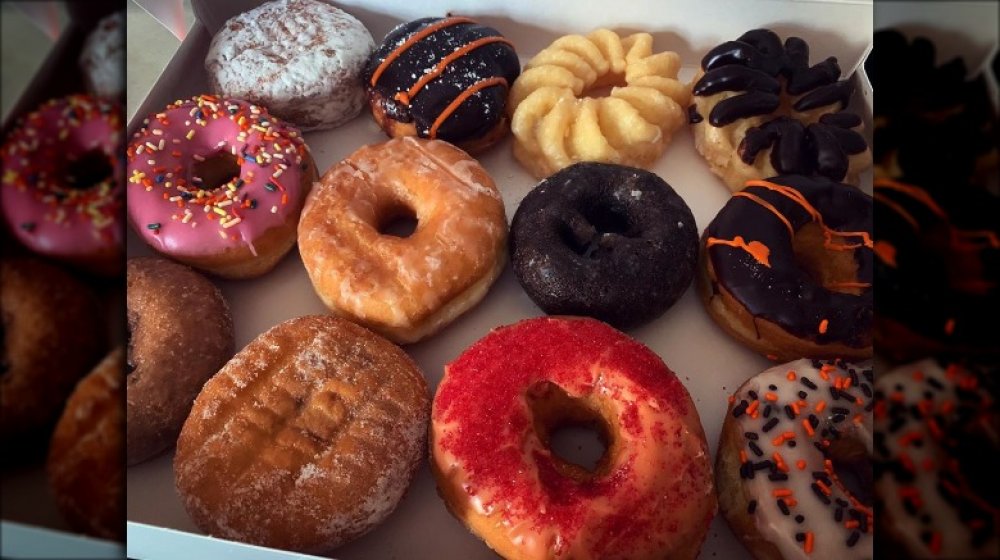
x,y
481,400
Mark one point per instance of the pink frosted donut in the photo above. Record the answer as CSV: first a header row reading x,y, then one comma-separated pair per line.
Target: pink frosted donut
x,y
218,184
61,197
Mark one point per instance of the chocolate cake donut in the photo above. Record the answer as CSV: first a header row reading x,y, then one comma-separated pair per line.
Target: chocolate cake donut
x,y
608,241
788,269
444,78
937,270
761,110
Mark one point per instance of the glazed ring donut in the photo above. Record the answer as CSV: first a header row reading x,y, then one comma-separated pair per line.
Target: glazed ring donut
x,y
444,78
760,110
612,242
936,461
405,288
180,334
102,59
793,466
787,268
53,333
555,123
84,466
302,59
650,496
306,439
218,184
938,271
61,194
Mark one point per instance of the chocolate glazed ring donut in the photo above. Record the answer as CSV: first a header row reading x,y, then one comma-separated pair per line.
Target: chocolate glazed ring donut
x,y
607,241
771,113
444,78
788,268
937,271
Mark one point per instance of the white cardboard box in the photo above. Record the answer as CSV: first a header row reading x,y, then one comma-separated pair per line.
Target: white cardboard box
x,y
708,362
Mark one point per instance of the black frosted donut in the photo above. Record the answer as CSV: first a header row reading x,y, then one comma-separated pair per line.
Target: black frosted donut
x,y
796,253
607,241
937,270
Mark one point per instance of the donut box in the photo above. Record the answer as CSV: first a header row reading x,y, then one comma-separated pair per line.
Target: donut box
x,y
709,363
31,525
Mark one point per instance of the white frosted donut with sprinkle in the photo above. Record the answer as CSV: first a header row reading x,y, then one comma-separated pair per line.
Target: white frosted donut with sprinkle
x,y
793,466
937,433
302,59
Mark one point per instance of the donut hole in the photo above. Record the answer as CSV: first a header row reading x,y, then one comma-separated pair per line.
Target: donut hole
x,y
602,224
574,430
215,170
853,468
87,170
834,270
397,220
603,85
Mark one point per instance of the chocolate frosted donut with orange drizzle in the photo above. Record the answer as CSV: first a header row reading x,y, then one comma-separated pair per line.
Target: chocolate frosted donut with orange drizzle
x,y
444,78
787,268
937,271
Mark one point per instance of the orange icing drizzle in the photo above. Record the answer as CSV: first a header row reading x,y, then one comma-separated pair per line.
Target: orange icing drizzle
x,y
897,208
406,97
769,206
412,40
914,192
968,240
469,92
886,252
828,233
757,250
861,285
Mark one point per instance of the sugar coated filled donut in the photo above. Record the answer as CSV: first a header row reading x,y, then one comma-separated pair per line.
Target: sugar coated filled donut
x,y
180,333
301,59
937,454
62,196
787,269
608,241
218,184
444,78
52,332
761,110
84,465
793,466
405,286
650,496
306,439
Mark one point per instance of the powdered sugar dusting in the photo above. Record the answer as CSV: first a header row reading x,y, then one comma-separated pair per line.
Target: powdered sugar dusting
x,y
103,57
302,59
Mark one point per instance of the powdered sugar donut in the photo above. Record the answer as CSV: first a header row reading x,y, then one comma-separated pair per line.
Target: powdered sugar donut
x,y
302,59
103,58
